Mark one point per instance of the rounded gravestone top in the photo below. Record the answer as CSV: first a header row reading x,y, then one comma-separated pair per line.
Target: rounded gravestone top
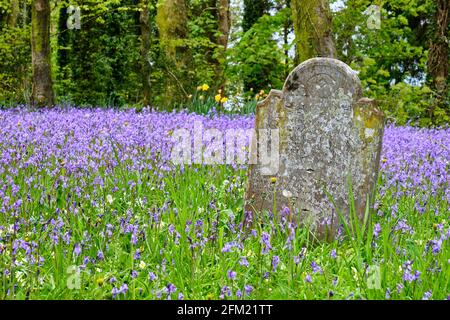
x,y
322,78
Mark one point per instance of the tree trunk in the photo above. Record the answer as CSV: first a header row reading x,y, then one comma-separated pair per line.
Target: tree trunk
x,y
313,29
438,55
224,23
144,20
224,20
171,19
12,17
40,44
172,24
287,29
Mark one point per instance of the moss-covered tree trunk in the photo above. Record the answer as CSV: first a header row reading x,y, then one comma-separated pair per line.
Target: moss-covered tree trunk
x,y
40,44
12,17
172,25
171,19
438,56
144,20
313,29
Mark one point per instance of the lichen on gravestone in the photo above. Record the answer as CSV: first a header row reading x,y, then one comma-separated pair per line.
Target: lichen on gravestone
x,y
330,138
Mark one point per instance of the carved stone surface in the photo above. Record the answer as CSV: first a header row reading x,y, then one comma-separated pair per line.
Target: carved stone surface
x,y
329,138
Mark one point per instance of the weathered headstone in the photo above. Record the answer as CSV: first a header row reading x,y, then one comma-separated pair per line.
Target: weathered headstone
x,y
329,138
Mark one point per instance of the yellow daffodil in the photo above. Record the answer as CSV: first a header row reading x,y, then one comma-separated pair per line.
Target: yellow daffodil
x,y
205,87
273,180
224,99
218,97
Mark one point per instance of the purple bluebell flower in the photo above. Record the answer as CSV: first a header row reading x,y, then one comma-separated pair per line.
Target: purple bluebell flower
x,y
227,248
265,241
115,292
275,262
333,254
435,246
231,274
388,294
77,250
316,268
244,262
152,276
403,227
225,291
171,229
124,288
377,230
170,288
408,276
248,289
427,295
134,239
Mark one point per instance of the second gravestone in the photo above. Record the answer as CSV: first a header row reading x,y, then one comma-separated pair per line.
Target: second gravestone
x,y
329,139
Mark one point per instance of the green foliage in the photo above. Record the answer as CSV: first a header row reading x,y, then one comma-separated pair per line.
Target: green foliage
x,y
99,67
391,61
15,65
253,10
258,60
15,56
203,31
207,103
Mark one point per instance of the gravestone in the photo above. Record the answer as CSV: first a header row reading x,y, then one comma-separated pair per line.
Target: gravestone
x,y
330,138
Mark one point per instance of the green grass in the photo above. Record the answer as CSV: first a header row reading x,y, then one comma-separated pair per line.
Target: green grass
x,y
214,195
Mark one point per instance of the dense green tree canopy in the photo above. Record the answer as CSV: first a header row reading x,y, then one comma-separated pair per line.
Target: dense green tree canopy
x,y
157,52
